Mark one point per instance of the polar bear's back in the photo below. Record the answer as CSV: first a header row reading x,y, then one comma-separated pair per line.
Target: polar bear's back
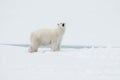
x,y
44,31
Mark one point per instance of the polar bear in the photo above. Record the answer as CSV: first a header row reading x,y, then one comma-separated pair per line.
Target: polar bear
x,y
51,37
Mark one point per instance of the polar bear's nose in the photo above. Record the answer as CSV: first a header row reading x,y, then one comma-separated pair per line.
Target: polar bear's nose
x,y
63,24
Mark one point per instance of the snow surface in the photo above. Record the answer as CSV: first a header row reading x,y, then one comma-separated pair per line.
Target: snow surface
x,y
68,64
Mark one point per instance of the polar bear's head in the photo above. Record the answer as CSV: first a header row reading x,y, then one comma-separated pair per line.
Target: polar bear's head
x,y
61,25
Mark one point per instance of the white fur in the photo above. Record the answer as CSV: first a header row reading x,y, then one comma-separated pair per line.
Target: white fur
x,y
46,37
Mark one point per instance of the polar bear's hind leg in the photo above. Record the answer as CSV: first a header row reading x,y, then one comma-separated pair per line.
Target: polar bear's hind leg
x,y
34,45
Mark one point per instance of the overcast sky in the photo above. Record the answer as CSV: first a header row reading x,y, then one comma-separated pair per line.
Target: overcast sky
x,y
88,22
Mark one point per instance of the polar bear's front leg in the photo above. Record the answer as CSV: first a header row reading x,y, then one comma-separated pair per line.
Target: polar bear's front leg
x,y
58,44
55,46
58,47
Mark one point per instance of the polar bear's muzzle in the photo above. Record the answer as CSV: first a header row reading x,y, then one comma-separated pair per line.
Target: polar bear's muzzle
x,y
63,24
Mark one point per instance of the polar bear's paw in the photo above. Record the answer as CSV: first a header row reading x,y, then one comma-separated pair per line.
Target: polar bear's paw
x,y
31,50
